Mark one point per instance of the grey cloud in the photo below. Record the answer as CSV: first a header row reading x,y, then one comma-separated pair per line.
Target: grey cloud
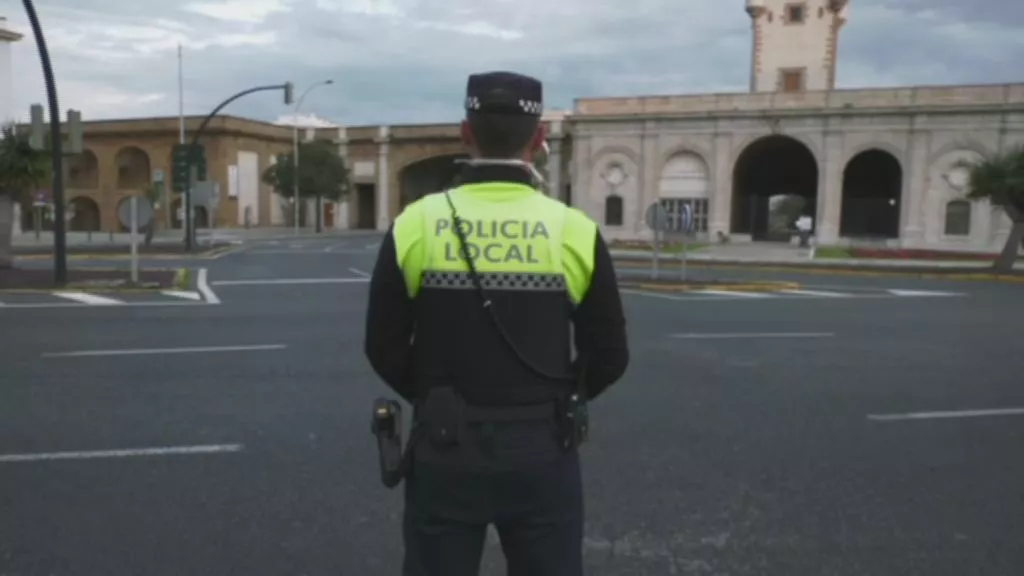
x,y
388,69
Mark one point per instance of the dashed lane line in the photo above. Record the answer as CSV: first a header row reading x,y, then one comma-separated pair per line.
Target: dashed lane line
x,y
90,299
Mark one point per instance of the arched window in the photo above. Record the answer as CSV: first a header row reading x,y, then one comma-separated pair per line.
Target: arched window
x,y
613,210
958,218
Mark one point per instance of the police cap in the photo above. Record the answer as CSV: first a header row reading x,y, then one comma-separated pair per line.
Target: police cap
x,y
504,93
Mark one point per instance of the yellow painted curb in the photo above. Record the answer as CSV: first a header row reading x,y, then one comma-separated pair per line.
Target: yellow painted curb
x,y
738,287
875,273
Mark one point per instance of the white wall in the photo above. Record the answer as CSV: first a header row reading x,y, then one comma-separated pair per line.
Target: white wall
x,y
277,203
248,187
7,111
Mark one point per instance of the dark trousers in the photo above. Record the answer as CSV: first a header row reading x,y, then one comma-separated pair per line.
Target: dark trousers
x,y
511,475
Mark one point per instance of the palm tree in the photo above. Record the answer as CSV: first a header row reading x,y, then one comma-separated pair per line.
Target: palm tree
x,y
999,178
22,169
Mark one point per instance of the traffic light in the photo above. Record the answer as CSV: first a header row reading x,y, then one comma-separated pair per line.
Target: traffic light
x,y
289,93
184,156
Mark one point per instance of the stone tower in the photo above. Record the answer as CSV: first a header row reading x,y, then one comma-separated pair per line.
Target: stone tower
x,y
795,43
7,38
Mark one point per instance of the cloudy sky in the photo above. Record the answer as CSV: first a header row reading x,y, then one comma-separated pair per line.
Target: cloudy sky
x,y
405,61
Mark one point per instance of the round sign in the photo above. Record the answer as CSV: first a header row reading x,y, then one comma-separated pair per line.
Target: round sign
x,y
144,212
656,217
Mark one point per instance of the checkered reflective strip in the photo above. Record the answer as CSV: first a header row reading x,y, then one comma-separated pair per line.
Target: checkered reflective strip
x,y
496,281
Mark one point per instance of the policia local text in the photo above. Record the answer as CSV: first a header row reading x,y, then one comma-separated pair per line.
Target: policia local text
x,y
504,250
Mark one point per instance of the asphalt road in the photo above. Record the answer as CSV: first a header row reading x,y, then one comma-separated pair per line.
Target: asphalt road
x,y
751,435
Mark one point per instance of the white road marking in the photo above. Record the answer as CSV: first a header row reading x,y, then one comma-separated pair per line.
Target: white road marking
x,y
947,414
128,453
80,305
654,295
287,281
152,351
204,287
373,246
723,336
196,296
90,299
359,272
820,293
922,293
734,294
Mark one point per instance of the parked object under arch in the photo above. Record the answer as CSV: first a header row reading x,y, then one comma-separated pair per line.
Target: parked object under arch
x,y
775,181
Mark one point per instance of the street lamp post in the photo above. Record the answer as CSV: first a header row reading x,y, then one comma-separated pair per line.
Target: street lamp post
x,y
295,152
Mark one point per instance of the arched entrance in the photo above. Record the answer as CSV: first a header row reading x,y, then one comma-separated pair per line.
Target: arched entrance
x,y
775,181
872,185
85,215
433,174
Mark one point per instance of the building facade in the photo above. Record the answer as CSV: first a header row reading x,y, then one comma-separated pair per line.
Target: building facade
x,y
869,166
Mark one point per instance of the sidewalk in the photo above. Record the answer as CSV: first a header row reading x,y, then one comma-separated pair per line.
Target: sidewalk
x,y
754,255
173,237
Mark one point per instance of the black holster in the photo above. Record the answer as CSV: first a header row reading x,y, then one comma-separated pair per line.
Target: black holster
x,y
574,421
386,425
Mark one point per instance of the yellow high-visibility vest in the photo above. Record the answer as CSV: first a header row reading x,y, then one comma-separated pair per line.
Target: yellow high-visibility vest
x,y
518,238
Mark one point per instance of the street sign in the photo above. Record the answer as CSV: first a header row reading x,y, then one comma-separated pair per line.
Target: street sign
x,y
41,199
124,212
656,218
158,175
183,156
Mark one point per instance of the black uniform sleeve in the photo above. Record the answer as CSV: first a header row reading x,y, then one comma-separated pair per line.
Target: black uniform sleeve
x,y
390,321
600,325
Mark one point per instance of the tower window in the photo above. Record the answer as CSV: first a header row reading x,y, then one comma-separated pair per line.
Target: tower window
x,y
791,80
795,13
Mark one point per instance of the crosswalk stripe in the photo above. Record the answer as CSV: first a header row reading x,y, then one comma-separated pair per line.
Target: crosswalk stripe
x,y
821,293
734,294
922,293
183,294
86,298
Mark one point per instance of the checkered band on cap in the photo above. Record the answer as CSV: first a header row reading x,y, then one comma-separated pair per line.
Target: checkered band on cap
x,y
517,281
531,107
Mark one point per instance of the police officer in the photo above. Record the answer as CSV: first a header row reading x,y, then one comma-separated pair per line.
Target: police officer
x,y
473,299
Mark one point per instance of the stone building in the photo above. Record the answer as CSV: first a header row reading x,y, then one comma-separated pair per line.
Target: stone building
x,y
123,158
869,166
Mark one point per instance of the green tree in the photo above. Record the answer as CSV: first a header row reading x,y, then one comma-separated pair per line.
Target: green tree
x,y
322,173
22,169
999,178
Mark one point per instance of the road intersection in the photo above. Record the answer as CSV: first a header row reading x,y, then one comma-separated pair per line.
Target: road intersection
x,y
849,426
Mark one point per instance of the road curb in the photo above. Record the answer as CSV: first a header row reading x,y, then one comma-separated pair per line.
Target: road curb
x,y
657,286
182,281
929,274
99,257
